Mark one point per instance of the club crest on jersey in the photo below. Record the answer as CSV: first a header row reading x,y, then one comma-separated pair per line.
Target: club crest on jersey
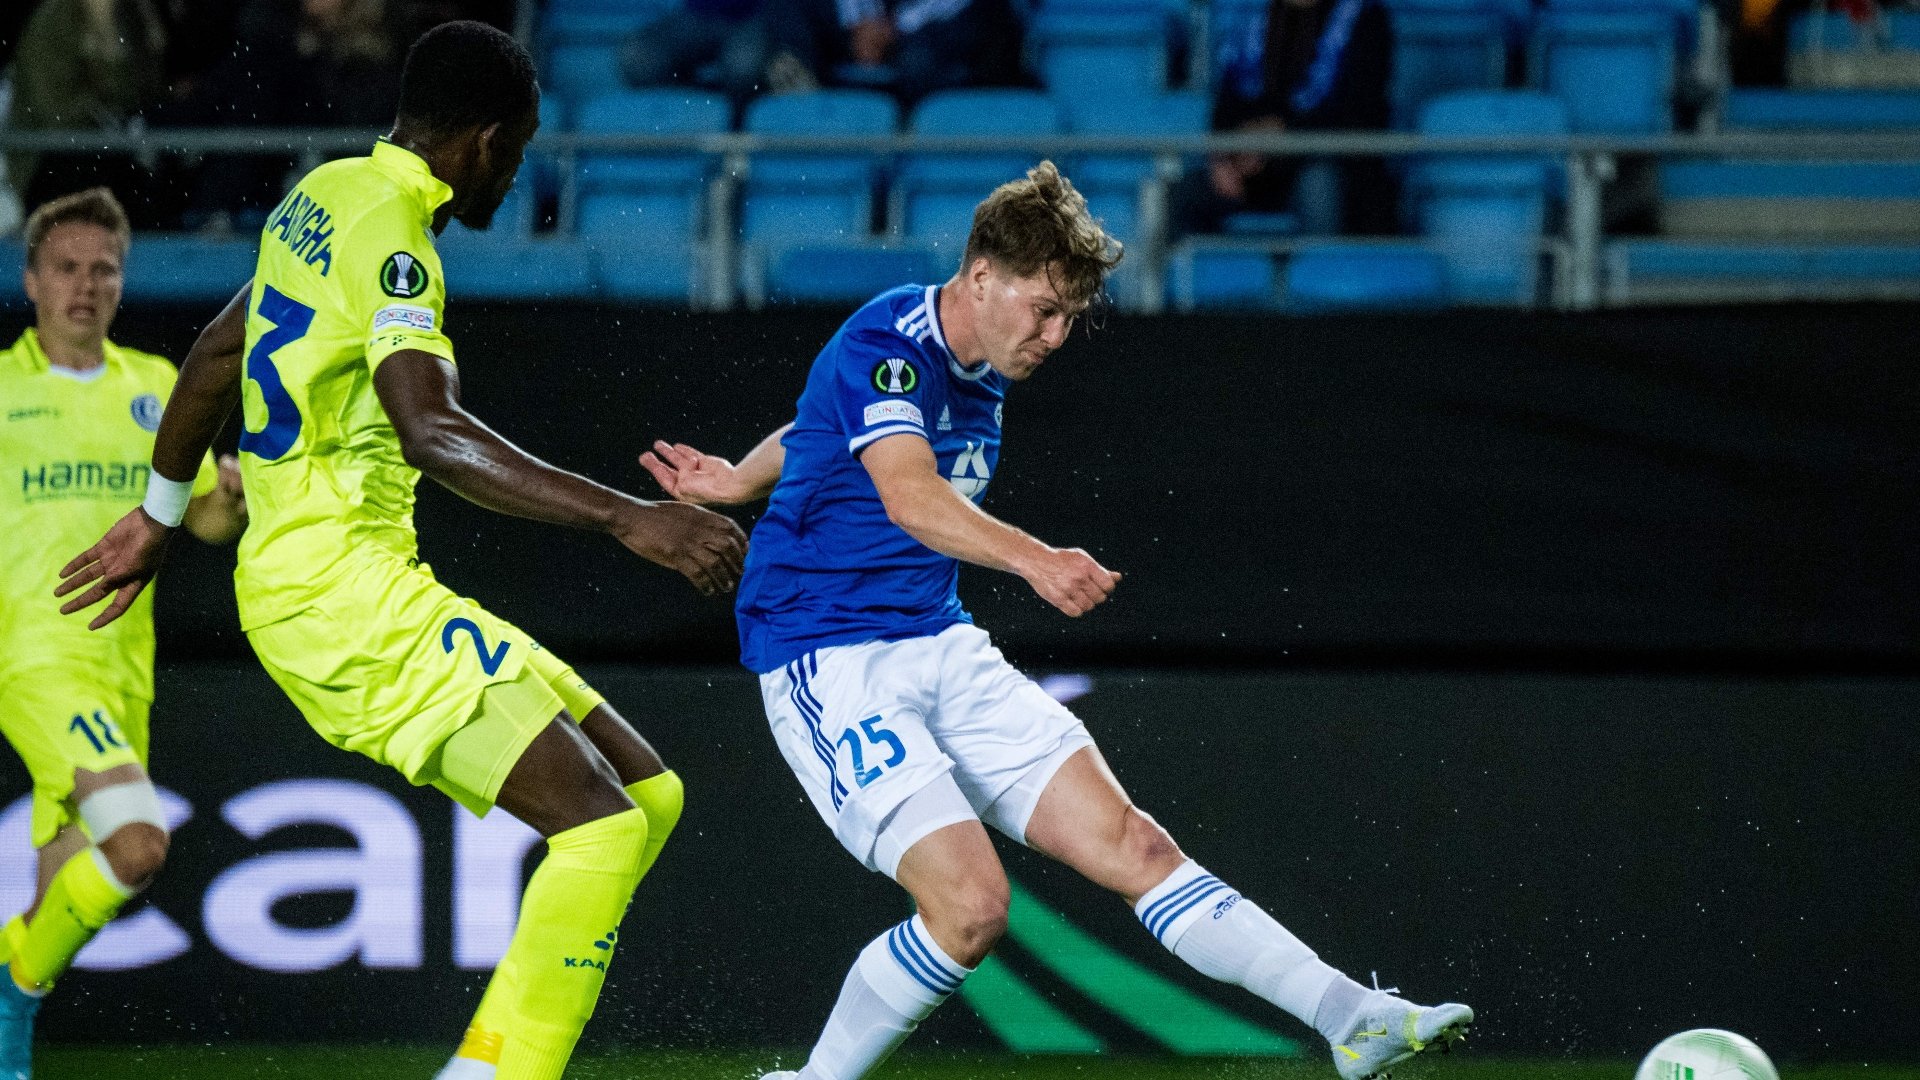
x,y
895,376
403,276
146,412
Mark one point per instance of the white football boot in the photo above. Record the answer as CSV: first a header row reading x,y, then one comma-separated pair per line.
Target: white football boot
x,y
1388,1030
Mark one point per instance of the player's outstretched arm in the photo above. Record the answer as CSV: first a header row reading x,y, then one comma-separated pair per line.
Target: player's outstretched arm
x,y
421,395
923,504
703,479
128,557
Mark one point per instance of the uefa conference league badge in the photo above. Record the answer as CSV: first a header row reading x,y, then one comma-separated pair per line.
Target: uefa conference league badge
x,y
895,376
402,276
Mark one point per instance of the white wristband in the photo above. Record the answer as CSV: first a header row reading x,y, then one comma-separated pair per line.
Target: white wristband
x,y
166,500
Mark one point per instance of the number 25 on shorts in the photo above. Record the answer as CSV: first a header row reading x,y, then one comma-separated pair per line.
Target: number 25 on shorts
x,y
876,736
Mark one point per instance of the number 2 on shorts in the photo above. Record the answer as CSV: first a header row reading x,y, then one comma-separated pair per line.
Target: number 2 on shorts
x,y
489,661
876,736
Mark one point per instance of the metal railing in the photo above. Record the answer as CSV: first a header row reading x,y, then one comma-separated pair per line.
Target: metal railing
x,y
1588,163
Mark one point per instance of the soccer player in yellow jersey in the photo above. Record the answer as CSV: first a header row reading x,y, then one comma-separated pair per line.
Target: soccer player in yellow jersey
x,y
77,417
350,393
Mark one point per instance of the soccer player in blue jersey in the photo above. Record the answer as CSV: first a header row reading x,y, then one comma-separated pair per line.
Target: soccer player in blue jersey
x,y
907,728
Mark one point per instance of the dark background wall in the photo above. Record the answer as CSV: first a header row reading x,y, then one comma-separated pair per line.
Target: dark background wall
x,y
1713,487
1559,665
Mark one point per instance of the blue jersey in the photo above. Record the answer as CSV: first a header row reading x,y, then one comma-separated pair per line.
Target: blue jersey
x,y
826,566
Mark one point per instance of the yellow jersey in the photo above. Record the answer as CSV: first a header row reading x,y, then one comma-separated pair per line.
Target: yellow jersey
x,y
347,276
75,449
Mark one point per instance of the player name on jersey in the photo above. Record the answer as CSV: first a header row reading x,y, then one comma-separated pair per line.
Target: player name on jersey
x,y
306,228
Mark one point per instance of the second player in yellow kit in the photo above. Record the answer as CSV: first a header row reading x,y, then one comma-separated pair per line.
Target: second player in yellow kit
x,y
76,433
350,394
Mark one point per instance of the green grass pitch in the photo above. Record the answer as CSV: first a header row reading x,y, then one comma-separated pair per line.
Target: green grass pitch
x,y
256,1062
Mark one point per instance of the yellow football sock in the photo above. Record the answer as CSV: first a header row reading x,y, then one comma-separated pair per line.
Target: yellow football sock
x,y
83,897
660,798
569,921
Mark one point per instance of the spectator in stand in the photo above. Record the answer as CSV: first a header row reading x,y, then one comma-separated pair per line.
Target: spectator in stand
x,y
1300,65
85,64
295,63
676,47
912,47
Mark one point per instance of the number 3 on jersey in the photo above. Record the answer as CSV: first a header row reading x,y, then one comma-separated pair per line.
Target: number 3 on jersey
x,y
291,320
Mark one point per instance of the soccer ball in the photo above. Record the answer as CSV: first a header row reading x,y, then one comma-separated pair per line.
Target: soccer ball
x,y
1706,1054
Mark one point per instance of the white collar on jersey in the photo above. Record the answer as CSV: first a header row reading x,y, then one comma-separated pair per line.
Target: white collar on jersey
x,y
972,374
88,375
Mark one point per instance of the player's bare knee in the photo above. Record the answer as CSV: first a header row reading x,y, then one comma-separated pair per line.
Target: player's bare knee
x,y
1147,848
980,918
136,852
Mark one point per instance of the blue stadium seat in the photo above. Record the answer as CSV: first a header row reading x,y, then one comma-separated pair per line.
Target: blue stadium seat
x,y
1614,69
184,267
1083,53
1487,213
846,274
793,198
1821,110
1364,277
1209,276
1444,46
583,22
1112,182
1864,199
1838,32
934,194
578,72
642,213
1692,271
517,268
1800,196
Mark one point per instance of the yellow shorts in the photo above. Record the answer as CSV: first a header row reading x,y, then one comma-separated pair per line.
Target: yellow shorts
x,y
59,722
394,666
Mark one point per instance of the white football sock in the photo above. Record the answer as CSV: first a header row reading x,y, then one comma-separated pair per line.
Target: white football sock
x,y
460,1068
900,978
1202,920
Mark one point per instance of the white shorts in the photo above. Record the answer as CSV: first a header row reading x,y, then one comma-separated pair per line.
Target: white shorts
x,y
866,727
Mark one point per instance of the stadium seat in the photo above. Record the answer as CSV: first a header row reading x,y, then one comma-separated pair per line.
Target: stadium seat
x,y
1800,197
1821,110
171,267
820,197
1083,53
1211,275
1615,69
1681,272
934,194
1364,277
849,273
578,72
518,268
583,22
1487,213
641,213
1786,198
1112,182
1838,31
1443,46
